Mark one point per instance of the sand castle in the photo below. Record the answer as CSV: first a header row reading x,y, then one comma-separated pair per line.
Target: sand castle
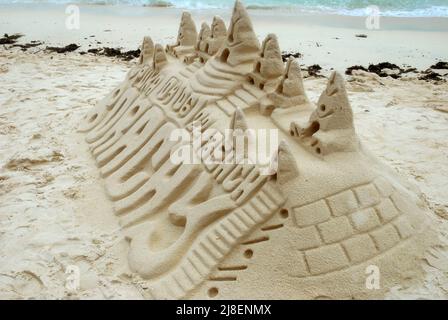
x,y
325,215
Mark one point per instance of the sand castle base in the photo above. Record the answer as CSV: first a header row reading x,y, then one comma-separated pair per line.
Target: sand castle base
x,y
324,219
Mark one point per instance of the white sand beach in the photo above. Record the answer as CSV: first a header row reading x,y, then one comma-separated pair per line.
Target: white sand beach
x,y
53,209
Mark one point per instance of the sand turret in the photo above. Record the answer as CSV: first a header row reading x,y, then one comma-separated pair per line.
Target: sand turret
x,y
219,34
186,37
159,59
201,45
147,50
333,108
330,127
233,61
269,66
285,165
204,34
238,121
241,45
212,39
290,91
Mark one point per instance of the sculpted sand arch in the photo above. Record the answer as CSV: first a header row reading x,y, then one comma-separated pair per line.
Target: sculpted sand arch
x,y
221,229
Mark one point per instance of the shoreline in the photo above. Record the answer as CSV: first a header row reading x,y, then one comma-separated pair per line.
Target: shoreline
x,y
438,23
327,40
433,11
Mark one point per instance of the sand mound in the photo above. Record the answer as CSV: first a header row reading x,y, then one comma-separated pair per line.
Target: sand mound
x,y
308,223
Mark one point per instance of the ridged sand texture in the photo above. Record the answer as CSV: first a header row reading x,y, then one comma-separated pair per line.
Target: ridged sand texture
x,y
224,230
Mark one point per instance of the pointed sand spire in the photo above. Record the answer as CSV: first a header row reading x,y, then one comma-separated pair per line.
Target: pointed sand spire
x,y
269,66
186,37
286,164
330,127
290,91
147,50
240,25
241,45
238,121
187,34
333,109
241,139
218,27
292,82
159,59
271,63
218,36
204,34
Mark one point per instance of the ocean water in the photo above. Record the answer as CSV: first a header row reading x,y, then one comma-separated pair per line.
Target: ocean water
x,y
403,8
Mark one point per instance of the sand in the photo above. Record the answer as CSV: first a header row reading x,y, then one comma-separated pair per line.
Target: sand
x,y
53,209
328,40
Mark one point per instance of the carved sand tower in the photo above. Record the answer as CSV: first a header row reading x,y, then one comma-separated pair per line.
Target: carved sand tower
x,y
186,37
224,229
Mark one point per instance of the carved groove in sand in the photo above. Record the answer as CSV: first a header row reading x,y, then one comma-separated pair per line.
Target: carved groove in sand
x,y
226,230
